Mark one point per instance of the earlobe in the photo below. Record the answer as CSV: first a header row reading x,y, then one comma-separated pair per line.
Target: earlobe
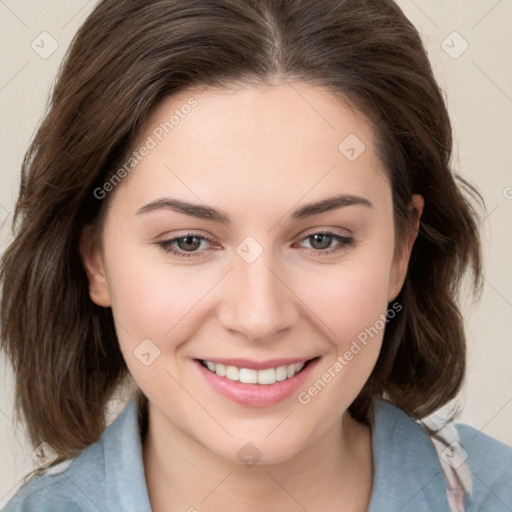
x,y
402,256
90,255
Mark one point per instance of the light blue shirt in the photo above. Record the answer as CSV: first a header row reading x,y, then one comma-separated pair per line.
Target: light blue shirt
x,y
109,475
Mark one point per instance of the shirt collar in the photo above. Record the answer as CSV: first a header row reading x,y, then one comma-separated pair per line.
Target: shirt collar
x,y
124,466
407,474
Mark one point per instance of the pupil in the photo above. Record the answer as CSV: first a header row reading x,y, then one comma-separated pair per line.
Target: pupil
x,y
325,238
185,243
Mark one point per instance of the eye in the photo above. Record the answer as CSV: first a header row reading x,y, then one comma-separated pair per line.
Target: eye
x,y
321,242
189,245
183,246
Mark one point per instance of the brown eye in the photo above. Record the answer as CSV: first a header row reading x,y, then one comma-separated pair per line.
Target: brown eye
x,y
188,243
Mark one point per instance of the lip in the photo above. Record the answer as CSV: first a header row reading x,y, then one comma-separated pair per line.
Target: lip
x,y
257,365
256,395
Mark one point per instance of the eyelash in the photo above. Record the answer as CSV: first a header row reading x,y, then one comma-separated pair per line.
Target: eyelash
x,y
345,242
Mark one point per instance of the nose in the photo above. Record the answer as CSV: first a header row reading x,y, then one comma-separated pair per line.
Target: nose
x,y
257,302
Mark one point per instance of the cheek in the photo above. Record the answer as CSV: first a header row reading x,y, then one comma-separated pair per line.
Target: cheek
x,y
150,299
153,300
350,297
158,307
351,304
155,312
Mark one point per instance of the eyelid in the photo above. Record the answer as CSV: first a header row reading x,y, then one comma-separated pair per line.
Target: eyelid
x,y
331,230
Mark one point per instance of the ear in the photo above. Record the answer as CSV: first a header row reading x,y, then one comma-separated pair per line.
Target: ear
x,y
402,255
91,256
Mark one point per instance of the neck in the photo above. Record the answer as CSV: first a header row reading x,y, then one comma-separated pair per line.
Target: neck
x,y
182,474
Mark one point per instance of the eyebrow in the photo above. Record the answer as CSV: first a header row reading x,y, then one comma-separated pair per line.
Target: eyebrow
x,y
217,215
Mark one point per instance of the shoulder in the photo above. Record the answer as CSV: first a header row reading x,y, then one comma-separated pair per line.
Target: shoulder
x,y
108,475
407,473
67,486
490,463
407,470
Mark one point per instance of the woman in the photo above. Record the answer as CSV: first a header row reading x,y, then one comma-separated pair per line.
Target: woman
x,y
246,209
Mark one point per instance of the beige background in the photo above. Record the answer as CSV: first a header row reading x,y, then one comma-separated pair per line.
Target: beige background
x,y
478,85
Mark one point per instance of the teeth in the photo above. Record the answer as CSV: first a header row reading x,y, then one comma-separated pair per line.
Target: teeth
x,y
250,376
267,376
232,373
281,373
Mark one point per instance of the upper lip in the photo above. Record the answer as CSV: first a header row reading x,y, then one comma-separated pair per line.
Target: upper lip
x,y
257,365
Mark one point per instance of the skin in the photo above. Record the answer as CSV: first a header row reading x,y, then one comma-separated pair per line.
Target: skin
x,y
257,154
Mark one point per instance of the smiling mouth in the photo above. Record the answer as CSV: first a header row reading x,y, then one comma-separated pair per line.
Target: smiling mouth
x,y
266,376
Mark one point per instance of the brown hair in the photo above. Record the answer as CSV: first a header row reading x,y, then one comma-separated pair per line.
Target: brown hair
x,y
129,55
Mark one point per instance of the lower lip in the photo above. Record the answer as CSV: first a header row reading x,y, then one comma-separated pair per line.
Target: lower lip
x,y
256,395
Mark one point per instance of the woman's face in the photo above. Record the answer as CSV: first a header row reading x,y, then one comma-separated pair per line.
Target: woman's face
x,y
281,217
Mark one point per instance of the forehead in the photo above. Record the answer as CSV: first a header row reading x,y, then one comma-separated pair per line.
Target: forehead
x,y
277,142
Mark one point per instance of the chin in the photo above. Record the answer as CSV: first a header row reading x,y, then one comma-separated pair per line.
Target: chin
x,y
251,453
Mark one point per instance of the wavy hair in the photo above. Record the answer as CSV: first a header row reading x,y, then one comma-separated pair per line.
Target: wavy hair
x,y
127,57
